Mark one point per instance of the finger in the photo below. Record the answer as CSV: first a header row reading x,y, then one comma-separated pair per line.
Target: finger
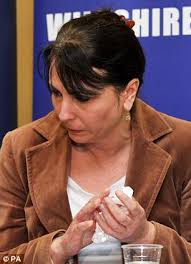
x,y
120,213
87,238
104,226
105,193
132,205
91,206
81,234
116,219
88,209
84,226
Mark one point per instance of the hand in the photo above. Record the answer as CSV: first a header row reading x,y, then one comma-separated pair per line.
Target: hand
x,y
79,234
127,223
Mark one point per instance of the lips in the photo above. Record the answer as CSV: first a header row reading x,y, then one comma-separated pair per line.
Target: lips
x,y
74,130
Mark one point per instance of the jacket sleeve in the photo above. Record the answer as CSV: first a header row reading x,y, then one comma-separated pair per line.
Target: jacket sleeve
x,y
177,247
13,230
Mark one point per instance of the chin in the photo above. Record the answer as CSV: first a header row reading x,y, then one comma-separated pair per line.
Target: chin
x,y
80,140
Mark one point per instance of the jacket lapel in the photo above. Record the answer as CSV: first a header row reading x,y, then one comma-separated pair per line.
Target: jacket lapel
x,y
47,174
47,166
148,162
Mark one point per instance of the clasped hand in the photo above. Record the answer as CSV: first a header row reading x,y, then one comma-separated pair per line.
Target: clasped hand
x,y
125,222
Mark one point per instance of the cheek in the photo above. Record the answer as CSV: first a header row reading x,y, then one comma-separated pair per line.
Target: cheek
x,y
53,101
99,119
108,114
56,105
91,120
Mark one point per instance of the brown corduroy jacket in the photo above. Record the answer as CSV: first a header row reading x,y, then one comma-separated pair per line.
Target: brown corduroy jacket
x,y
33,199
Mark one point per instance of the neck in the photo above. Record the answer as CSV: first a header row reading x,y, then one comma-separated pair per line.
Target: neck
x,y
110,146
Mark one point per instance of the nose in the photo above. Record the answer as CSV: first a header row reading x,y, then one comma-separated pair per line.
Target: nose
x,y
66,111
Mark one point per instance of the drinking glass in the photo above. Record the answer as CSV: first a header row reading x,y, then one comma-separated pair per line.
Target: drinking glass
x,y
142,253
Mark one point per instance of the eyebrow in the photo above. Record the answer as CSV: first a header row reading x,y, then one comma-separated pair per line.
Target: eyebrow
x,y
52,87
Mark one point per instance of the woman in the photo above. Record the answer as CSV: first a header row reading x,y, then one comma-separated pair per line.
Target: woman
x,y
57,173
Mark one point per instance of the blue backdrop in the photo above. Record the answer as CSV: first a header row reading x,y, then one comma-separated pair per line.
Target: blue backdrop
x,y
8,101
164,29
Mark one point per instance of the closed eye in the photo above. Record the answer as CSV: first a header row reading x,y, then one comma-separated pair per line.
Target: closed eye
x,y
54,91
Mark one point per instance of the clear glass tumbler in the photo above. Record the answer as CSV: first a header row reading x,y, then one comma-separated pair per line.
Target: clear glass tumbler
x,y
142,253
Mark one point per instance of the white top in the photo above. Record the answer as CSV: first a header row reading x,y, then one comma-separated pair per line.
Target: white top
x,y
108,252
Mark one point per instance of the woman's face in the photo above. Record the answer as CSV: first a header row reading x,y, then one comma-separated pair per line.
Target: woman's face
x,y
91,121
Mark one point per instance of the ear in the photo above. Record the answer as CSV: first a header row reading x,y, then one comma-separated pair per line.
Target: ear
x,y
129,94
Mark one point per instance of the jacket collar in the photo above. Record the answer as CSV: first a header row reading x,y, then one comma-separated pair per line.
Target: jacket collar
x,y
148,162
47,165
48,126
149,122
47,173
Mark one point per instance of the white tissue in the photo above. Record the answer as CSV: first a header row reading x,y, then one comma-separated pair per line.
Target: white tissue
x,y
127,190
99,236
